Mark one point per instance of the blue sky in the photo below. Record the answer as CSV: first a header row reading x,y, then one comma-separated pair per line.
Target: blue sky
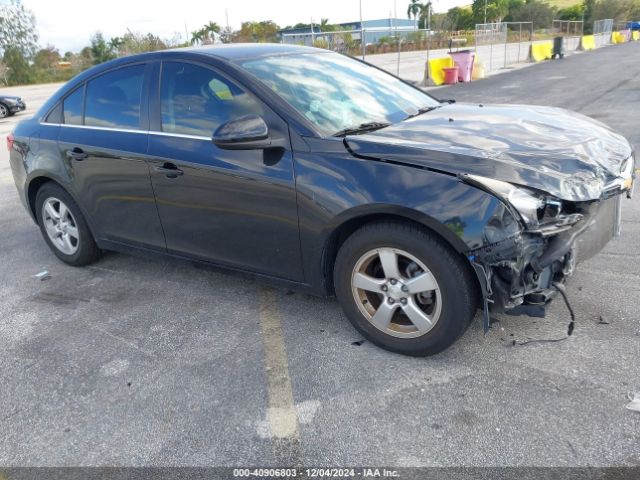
x,y
68,24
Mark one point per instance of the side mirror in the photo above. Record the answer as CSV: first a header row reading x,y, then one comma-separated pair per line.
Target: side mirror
x,y
245,133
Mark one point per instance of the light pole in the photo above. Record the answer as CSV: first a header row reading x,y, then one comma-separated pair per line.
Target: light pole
x,y
362,39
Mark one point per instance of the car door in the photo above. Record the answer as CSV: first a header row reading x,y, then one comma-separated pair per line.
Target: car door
x,y
104,139
234,207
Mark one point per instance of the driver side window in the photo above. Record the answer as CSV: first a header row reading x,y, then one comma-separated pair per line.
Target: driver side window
x,y
195,100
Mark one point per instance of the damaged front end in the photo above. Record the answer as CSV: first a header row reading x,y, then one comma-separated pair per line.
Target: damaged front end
x,y
534,241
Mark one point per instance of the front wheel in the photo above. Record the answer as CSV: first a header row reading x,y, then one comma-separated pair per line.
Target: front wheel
x,y
4,111
404,289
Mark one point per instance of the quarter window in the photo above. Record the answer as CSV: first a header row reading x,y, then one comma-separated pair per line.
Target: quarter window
x,y
113,99
196,100
72,107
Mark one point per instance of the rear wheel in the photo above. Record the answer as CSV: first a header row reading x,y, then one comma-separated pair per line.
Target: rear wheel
x,y
63,226
404,289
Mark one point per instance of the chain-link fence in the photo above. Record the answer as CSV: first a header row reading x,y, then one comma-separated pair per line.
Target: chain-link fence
x,y
363,42
570,30
602,30
404,51
504,44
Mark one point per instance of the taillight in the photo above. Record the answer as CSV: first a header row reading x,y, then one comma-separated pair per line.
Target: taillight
x,y
10,139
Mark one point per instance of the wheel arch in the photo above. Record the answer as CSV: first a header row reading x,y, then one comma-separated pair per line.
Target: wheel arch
x,y
36,183
32,192
348,226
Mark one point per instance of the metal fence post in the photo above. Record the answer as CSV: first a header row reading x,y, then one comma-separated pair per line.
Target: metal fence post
x,y
519,42
506,41
491,50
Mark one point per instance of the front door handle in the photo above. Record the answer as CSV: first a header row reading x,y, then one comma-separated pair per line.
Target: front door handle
x,y
169,170
77,154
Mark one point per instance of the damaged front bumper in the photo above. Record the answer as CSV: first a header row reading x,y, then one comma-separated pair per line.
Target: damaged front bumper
x,y
521,272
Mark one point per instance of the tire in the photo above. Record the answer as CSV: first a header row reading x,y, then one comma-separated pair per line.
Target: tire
x,y
449,292
63,226
4,111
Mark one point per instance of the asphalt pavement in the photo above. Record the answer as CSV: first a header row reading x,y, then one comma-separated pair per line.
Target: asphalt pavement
x,y
136,361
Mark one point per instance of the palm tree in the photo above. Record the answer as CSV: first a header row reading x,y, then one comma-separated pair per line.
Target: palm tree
x,y
206,34
425,12
196,37
415,8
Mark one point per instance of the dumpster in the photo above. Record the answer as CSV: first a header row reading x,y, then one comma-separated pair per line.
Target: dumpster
x,y
463,59
558,47
451,75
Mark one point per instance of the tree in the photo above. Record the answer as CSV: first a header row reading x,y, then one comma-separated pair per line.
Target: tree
x,y
18,42
266,31
495,10
226,35
206,35
46,58
131,43
425,13
17,29
414,9
101,50
573,12
18,71
535,11
325,26
461,18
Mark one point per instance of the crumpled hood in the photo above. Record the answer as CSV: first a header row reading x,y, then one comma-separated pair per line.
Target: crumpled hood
x,y
565,154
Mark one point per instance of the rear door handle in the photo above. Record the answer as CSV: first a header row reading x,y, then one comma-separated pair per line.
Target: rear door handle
x,y
77,154
169,170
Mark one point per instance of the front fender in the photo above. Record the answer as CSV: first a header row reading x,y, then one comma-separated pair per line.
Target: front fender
x,y
334,187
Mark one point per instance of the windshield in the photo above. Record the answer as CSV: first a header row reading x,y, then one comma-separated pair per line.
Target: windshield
x,y
336,92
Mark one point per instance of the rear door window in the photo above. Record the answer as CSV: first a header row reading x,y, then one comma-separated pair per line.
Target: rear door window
x,y
113,100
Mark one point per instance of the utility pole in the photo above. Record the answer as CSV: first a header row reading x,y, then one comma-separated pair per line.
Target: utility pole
x,y
485,11
395,24
362,39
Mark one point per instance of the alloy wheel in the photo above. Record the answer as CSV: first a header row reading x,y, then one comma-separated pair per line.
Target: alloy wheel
x,y
60,225
396,292
4,111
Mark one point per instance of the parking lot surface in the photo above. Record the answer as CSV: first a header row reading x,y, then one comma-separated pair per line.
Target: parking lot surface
x,y
136,361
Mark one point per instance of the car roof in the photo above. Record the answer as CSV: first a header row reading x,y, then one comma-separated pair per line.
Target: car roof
x,y
236,51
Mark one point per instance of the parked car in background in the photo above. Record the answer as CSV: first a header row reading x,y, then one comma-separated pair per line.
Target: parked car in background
x,y
10,105
634,26
328,174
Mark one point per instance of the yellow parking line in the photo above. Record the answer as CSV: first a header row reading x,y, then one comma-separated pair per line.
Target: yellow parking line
x,y
281,411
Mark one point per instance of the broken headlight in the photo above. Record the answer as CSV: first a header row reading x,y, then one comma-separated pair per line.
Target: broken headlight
x,y
529,205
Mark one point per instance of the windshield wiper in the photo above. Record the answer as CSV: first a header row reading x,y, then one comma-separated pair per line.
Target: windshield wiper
x,y
362,128
422,110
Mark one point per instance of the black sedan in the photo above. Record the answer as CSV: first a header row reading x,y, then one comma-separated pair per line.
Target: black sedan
x,y
324,173
10,105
